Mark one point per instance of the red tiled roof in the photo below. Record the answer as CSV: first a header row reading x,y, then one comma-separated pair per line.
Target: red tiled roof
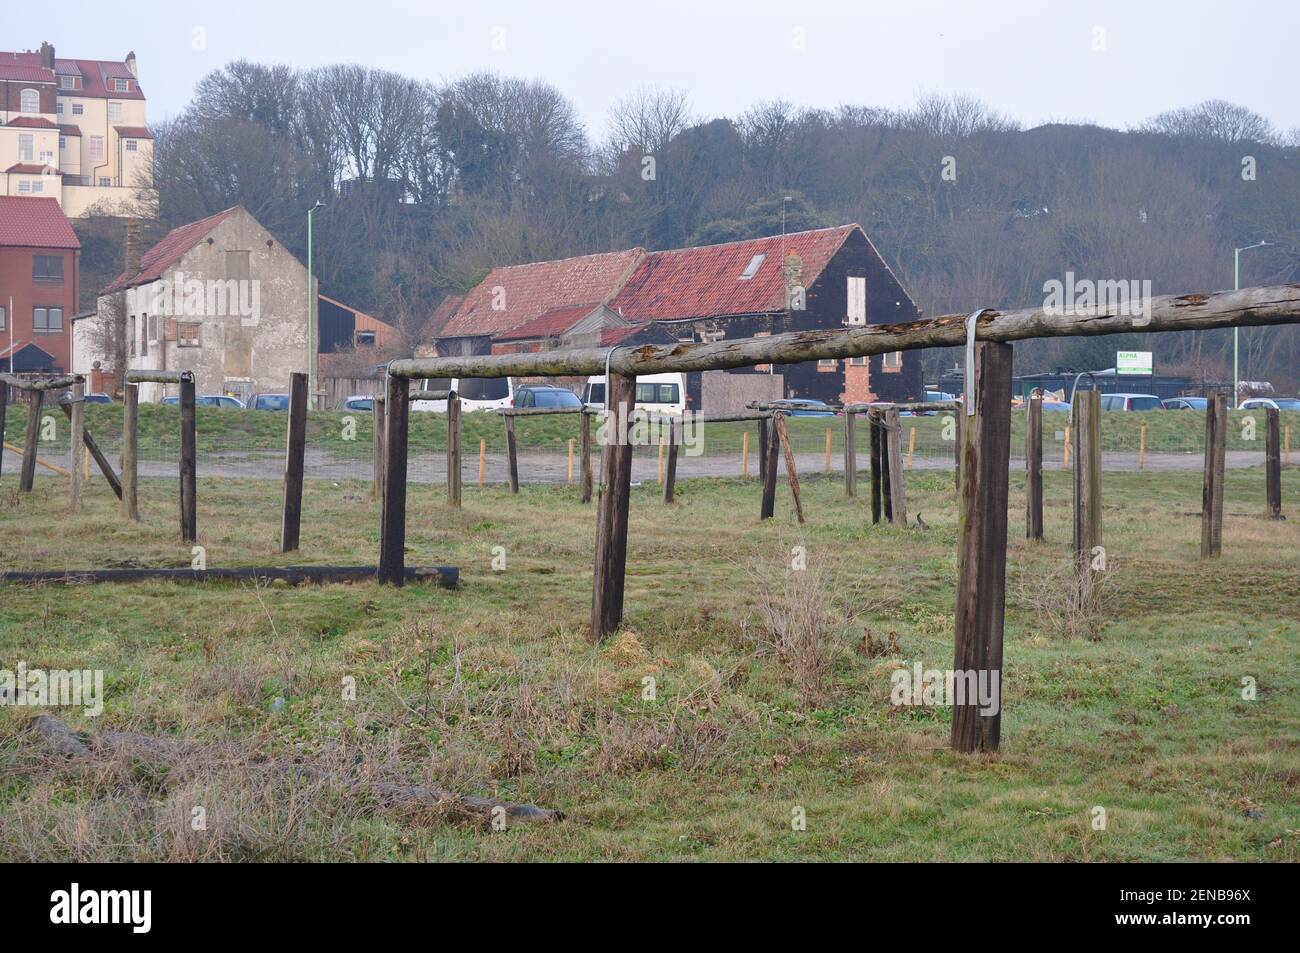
x,y
532,290
31,168
612,336
442,314
94,74
68,130
550,324
32,122
22,72
167,252
133,132
705,282
29,221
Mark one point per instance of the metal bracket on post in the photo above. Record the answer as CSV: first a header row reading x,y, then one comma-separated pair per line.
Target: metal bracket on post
x,y
968,391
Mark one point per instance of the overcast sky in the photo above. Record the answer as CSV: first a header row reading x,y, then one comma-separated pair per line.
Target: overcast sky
x,y
1115,62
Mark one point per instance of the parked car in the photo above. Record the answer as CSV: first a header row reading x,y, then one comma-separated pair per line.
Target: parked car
x,y
545,395
805,407
98,398
1185,403
658,393
1056,405
480,393
1271,403
1131,402
269,402
363,403
209,400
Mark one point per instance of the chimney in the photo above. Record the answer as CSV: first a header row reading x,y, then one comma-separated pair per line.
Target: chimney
x,y
47,55
132,246
130,64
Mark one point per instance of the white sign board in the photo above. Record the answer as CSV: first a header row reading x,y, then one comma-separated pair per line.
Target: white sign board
x,y
1132,362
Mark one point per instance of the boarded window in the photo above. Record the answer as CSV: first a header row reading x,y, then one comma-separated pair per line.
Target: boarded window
x,y
857,300
238,346
187,334
237,266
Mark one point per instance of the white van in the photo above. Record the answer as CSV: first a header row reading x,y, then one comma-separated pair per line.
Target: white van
x,y
655,393
475,393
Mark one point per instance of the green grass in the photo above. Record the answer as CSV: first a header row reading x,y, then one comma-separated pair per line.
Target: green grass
x,y
494,689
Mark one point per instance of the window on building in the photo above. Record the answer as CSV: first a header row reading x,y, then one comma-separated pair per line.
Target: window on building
x,y
47,319
96,148
144,334
58,108
856,310
130,145
119,85
236,266
827,364
857,362
130,336
38,187
187,334
752,268
892,361
26,147
67,82
114,112
78,109
63,142
366,338
4,317
29,101
47,156
24,185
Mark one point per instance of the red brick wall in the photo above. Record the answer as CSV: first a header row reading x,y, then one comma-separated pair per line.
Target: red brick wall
x,y
16,280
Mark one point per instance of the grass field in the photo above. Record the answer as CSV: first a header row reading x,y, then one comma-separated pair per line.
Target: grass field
x,y
494,689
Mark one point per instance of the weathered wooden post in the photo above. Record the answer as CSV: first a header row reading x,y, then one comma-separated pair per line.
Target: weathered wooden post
x,y
511,456
877,468
482,459
957,425
826,467
744,453
295,451
1086,536
982,554
768,446
76,419
850,455
1034,467
189,458
1273,463
28,473
584,465
674,444
453,450
94,453
897,490
778,421
130,451
612,507
392,531
377,448
1216,427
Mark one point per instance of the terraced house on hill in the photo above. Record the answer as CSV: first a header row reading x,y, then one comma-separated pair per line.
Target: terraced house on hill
x,y
824,278
74,131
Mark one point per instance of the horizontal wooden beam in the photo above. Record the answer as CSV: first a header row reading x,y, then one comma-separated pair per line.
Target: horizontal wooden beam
x,y
445,576
912,406
430,395
1249,307
157,377
40,383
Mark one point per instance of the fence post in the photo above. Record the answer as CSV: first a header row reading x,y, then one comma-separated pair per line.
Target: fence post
x,y
674,439
453,449
1273,463
1216,425
893,444
189,458
611,510
511,453
569,474
877,476
826,467
295,449
584,465
1087,490
778,421
392,530
764,439
982,549
377,487
744,453
768,446
1142,447
4,410
851,455
28,473
911,445
958,417
482,459
77,421
130,451
1034,468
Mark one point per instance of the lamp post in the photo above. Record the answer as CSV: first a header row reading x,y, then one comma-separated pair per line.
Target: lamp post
x,y
311,363
1236,332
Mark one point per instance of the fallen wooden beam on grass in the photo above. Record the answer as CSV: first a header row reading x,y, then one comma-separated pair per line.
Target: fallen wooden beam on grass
x,y
41,461
445,576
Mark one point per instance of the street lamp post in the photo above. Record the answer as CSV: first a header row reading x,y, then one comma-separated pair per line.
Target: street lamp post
x,y
1236,332
311,363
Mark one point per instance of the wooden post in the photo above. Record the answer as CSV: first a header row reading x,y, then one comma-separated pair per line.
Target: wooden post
x,y
788,452
94,453
1065,451
76,419
1142,447
130,451
744,454
611,518
957,426
1086,536
826,467
377,485
482,459
768,446
674,443
4,411
295,450
1286,446
982,550
189,461
1273,464
511,453
453,450
584,465
392,531
661,459
1216,426
28,473
877,470
569,478
893,443
911,445
1034,467
850,455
